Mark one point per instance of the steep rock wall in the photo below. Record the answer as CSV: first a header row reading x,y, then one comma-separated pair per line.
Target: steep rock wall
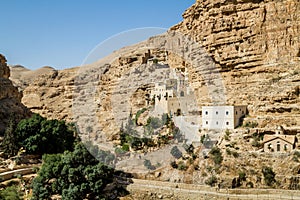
x,y
10,98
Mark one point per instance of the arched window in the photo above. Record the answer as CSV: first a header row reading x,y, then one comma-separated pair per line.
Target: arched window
x,y
278,146
182,93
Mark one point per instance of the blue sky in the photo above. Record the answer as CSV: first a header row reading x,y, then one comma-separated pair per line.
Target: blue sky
x,y
61,33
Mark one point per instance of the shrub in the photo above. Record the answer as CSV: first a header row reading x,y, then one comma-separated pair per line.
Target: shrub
x,y
269,175
242,176
138,114
174,164
211,181
11,193
148,164
202,139
227,135
176,152
250,124
216,155
235,154
154,122
125,147
182,166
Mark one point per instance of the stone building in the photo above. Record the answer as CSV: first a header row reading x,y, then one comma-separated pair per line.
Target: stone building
x,y
279,142
222,117
174,96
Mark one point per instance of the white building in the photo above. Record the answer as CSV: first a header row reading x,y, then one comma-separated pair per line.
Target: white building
x,y
161,94
222,117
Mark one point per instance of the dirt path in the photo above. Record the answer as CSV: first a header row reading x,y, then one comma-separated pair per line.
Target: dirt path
x,y
166,190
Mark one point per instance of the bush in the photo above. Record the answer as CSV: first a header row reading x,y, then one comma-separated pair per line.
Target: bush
x,y
125,147
216,155
176,152
11,193
250,124
10,143
235,154
138,114
269,175
148,164
182,166
154,122
242,176
174,164
227,135
211,181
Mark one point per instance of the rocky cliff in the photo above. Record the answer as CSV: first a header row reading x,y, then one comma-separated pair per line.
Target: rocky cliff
x,y
10,97
252,44
256,45
245,33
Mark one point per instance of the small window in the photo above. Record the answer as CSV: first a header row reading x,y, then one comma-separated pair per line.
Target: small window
x,y
217,112
242,112
217,122
227,113
206,122
206,112
236,112
227,123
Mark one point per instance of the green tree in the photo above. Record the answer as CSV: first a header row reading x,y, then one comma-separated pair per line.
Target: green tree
x,y
269,175
10,144
10,193
39,135
216,155
74,175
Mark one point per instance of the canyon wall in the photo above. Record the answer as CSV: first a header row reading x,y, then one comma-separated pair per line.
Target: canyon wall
x,y
10,98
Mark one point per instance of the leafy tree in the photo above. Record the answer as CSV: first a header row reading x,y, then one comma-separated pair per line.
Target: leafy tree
x,y
10,193
39,135
74,175
10,144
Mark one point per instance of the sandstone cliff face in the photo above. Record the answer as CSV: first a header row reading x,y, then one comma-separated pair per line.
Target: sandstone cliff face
x,y
50,94
245,33
10,98
256,45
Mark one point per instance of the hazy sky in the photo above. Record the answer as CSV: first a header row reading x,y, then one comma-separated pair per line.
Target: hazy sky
x,y
61,33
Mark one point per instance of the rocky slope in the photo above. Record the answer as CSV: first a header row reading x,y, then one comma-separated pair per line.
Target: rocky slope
x,y
10,97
